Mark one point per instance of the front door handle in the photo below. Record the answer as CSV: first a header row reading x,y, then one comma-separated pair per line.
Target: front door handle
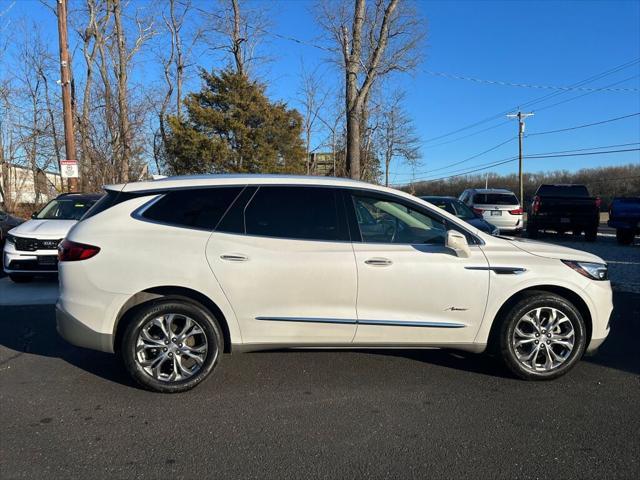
x,y
234,257
378,262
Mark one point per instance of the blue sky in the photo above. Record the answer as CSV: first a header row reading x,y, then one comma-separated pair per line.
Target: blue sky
x,y
540,43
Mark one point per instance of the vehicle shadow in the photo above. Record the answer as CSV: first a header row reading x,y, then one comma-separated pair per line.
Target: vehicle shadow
x,y
32,329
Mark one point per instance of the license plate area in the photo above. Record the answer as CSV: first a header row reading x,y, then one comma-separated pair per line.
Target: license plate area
x,y
564,220
47,260
496,213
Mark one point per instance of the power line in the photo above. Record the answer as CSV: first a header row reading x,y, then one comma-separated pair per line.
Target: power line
x,y
583,126
470,158
526,85
543,98
585,94
565,153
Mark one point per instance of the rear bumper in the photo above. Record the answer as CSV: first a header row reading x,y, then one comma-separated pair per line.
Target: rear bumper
x,y
624,224
79,334
563,222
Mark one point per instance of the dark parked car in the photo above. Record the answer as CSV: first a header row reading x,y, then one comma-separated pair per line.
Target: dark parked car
x,y
624,216
564,208
7,222
460,210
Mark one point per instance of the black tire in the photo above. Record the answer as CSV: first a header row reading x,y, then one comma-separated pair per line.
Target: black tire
x,y
20,277
624,237
532,301
182,307
591,234
576,232
532,231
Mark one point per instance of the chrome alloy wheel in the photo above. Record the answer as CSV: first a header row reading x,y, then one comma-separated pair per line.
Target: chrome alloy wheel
x,y
543,339
171,347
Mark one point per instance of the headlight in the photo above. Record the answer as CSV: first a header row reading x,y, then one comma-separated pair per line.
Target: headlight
x,y
11,239
594,271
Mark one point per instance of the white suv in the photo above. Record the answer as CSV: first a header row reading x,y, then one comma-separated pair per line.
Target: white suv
x,y
172,273
497,206
31,248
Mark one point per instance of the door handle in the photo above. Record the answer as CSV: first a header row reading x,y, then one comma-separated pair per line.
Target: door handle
x,y
234,257
378,262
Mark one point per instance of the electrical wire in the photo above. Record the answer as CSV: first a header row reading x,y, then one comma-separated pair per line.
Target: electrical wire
x,y
582,126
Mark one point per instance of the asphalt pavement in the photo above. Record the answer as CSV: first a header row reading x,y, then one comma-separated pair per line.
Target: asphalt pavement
x,y
66,412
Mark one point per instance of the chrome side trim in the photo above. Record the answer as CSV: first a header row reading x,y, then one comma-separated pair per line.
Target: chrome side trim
x,y
501,270
405,323
349,321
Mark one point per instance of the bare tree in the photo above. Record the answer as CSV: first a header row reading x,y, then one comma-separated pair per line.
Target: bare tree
x,y
371,41
238,30
313,98
396,136
122,57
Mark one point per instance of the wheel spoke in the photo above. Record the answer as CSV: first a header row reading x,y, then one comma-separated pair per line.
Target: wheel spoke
x,y
162,350
559,336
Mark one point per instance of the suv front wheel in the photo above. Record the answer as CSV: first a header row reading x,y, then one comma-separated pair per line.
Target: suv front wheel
x,y
171,345
542,337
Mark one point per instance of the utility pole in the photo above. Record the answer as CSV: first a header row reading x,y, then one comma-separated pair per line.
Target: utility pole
x,y
520,116
65,79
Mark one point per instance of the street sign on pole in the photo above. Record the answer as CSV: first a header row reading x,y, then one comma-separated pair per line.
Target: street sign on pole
x,y
69,168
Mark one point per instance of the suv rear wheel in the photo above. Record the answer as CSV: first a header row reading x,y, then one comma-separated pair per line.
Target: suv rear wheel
x,y
542,337
171,345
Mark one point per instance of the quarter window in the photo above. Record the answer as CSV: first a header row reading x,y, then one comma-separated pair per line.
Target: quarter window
x,y
385,221
306,213
194,208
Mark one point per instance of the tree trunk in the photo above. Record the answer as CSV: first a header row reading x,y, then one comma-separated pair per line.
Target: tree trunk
x,y
123,114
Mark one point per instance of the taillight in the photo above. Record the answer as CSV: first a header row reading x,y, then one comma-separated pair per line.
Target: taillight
x,y
517,211
69,251
478,211
598,202
536,204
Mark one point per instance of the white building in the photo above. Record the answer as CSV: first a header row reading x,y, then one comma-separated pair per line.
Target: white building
x,y
19,185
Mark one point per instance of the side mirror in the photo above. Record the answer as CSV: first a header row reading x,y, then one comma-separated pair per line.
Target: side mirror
x,y
457,242
34,215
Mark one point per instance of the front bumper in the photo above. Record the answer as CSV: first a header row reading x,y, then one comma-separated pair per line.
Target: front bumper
x,y
18,261
79,334
601,298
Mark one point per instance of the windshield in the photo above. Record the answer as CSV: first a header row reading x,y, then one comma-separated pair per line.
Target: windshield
x,y
64,209
455,207
495,199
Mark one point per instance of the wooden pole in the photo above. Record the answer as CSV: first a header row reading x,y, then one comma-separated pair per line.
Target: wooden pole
x,y
65,77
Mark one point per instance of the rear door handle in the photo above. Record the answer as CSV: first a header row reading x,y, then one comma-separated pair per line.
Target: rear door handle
x,y
378,262
234,257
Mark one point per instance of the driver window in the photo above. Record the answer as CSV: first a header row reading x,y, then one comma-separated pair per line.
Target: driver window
x,y
384,221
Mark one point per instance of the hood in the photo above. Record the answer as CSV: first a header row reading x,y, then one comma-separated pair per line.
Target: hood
x,y
43,228
550,250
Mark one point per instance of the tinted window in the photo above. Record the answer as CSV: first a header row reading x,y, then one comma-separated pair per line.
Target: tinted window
x,y
309,213
456,207
495,199
563,190
110,199
196,208
385,221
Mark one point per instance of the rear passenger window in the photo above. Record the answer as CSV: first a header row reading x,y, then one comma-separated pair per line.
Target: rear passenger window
x,y
306,213
195,208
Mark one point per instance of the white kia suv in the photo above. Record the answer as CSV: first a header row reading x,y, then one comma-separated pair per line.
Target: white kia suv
x,y
497,206
31,248
172,273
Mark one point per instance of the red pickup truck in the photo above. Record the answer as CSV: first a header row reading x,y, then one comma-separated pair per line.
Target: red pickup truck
x,y
564,208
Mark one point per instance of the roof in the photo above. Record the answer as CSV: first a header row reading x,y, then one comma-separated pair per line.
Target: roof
x,y
81,196
438,197
238,179
491,190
